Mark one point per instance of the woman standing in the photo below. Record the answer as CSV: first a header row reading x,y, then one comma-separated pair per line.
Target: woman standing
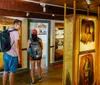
x,y
35,46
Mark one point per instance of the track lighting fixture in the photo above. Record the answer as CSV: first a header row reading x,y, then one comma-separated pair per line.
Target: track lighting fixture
x,y
27,14
53,15
88,2
43,5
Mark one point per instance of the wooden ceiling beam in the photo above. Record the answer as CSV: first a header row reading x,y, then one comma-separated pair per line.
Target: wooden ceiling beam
x,y
31,15
19,8
12,13
29,7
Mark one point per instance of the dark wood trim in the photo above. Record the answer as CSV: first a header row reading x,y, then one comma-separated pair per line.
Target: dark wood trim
x,y
52,46
86,51
24,49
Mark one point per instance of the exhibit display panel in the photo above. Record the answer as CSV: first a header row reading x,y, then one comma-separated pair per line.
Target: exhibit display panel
x,y
86,39
5,23
1,61
42,28
54,52
80,51
68,51
59,41
87,50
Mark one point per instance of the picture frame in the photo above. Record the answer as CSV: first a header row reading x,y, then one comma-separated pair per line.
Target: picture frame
x,y
87,34
86,68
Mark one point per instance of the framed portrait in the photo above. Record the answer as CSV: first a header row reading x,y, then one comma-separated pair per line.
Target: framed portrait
x,y
87,34
86,68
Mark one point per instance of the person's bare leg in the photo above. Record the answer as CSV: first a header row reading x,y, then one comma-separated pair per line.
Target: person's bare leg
x,y
5,78
39,68
12,78
33,71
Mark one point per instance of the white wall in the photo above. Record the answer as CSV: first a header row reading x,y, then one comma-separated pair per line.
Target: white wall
x,y
24,42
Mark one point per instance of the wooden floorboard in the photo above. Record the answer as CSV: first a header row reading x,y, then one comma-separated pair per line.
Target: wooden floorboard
x,y
51,76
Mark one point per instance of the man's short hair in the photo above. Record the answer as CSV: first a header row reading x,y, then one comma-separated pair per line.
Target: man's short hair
x,y
16,21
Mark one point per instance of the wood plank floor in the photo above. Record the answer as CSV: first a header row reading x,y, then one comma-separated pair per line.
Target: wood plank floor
x,y
51,76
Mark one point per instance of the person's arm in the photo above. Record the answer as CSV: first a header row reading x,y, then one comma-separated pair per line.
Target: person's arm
x,y
16,42
28,44
17,50
41,44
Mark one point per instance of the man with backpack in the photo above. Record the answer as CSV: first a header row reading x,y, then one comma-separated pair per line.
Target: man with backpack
x,y
12,57
35,50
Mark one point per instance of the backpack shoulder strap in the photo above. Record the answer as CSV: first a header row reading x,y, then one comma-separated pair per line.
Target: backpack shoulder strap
x,y
39,41
12,30
30,39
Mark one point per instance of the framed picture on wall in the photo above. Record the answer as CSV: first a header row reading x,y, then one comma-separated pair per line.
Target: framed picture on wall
x,y
87,34
86,68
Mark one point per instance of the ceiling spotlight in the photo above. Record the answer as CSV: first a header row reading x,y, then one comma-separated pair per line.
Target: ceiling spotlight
x,y
53,15
43,5
27,14
44,9
88,2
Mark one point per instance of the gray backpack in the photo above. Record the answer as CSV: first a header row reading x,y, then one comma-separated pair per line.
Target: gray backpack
x,y
36,51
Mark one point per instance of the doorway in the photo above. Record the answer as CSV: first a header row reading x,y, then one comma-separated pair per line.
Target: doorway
x,y
59,41
42,28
